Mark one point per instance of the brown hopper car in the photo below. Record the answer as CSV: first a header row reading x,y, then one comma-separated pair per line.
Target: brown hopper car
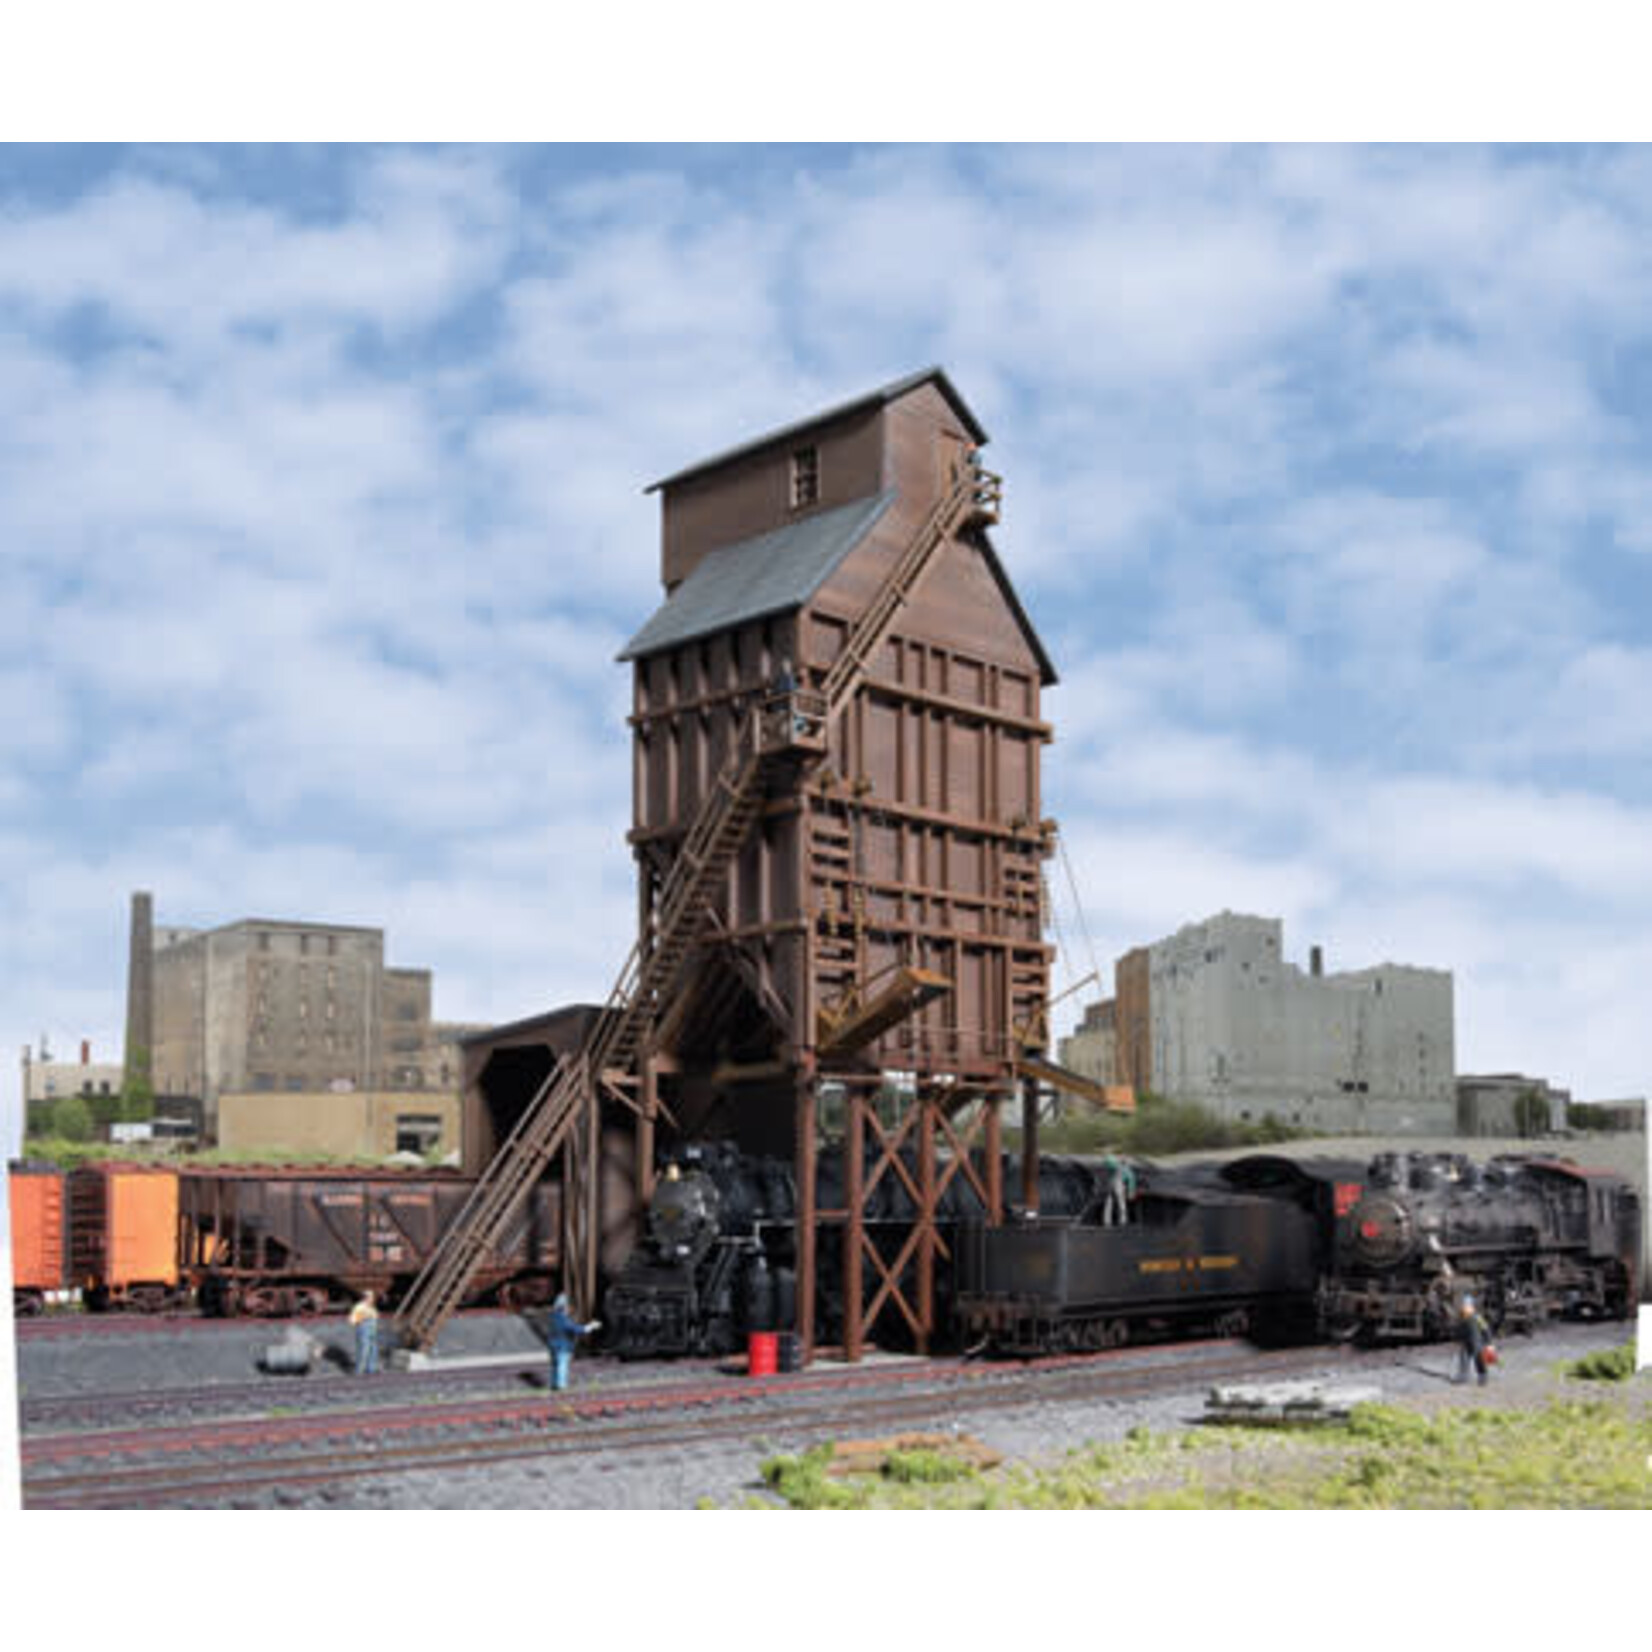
x,y
256,1241
290,1241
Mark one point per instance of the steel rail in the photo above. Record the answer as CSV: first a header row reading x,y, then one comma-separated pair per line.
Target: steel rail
x,y
585,1427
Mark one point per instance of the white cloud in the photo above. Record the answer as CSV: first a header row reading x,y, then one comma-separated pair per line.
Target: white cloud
x,y
321,516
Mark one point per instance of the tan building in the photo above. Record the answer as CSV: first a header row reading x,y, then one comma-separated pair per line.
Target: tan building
x,y
1092,1047
371,1124
1509,1104
263,1005
47,1079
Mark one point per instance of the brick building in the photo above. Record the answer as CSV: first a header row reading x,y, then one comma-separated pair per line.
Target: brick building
x,y
264,1005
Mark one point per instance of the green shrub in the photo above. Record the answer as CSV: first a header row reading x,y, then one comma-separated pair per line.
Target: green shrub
x,y
1158,1126
72,1119
924,1467
1608,1365
804,1483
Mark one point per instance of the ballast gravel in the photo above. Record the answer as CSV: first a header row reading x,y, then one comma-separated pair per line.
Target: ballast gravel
x,y
711,1472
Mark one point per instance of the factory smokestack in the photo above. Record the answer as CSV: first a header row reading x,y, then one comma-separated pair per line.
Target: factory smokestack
x,y
140,993
1316,961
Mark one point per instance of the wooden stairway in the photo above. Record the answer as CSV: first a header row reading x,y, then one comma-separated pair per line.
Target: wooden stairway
x,y
795,729
646,983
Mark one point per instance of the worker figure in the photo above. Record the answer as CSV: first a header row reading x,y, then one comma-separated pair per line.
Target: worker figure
x,y
1473,1339
1118,1187
562,1333
785,679
364,1321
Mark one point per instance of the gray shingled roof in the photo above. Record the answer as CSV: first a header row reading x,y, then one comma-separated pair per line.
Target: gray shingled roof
x,y
884,393
770,574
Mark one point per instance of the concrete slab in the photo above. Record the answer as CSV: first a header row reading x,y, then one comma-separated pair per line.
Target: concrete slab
x,y
410,1359
1286,1402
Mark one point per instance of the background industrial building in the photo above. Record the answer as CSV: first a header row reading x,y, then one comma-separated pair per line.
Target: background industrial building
x,y
291,1034
48,1079
1215,1015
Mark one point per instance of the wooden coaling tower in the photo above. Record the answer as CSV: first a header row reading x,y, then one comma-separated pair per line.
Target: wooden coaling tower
x,y
837,747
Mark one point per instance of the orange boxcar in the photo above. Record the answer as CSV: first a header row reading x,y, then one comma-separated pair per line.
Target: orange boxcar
x,y
39,1235
124,1234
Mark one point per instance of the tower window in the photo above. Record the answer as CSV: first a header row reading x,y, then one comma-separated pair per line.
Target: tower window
x,y
805,477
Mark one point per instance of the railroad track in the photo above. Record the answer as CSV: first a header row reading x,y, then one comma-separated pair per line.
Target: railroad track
x,y
241,1459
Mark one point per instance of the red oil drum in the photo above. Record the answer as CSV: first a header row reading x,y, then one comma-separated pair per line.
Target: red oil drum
x,y
763,1353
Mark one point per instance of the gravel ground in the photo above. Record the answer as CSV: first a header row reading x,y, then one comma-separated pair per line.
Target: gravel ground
x,y
727,1474
108,1360
723,1474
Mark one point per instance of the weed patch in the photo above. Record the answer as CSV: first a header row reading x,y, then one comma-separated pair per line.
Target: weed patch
x,y
1571,1453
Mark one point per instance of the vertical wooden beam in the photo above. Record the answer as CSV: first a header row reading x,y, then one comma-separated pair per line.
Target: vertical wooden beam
x,y
854,1231
928,1128
995,1161
645,1130
804,1167
1029,1144
592,1235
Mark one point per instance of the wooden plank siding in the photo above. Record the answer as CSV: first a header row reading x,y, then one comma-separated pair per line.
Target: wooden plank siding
x,y
917,840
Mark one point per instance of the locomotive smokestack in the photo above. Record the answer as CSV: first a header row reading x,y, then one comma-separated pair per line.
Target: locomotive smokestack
x,y
1316,961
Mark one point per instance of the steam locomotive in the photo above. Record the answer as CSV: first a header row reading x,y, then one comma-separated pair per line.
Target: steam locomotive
x,y
718,1256
1529,1238
1334,1249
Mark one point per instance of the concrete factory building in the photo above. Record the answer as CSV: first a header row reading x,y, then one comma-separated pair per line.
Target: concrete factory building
x,y
1215,1015
265,1006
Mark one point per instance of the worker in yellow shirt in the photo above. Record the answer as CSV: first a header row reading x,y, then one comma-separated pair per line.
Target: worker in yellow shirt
x,y
364,1321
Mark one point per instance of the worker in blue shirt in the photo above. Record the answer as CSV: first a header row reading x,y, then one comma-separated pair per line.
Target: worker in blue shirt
x,y
563,1332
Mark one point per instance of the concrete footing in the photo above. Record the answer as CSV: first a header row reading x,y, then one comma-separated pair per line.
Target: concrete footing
x,y
1286,1402
417,1359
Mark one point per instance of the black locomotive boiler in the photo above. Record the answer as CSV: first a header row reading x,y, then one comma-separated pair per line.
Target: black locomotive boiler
x,y
1379,1251
718,1255
716,1259
1531,1238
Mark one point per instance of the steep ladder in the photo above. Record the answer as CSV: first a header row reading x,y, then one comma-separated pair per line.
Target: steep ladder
x,y
645,983
973,496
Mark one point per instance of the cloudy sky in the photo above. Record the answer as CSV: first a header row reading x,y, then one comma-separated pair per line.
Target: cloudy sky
x,y
1327,485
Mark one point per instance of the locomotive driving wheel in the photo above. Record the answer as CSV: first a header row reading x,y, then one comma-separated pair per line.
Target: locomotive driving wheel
x,y
1102,1334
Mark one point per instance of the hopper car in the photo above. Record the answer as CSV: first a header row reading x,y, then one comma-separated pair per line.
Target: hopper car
x,y
256,1241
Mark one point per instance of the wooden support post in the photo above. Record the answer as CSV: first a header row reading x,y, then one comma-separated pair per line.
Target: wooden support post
x,y
593,1196
1029,1144
804,1166
645,1132
928,1126
854,1230
995,1162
